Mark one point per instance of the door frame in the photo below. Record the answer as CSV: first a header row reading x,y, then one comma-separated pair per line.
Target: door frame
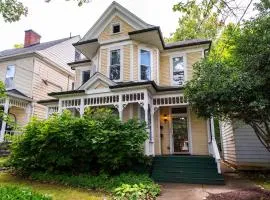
x,y
188,131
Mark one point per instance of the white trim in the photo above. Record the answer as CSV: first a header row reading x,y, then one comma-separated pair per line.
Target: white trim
x,y
96,77
121,62
190,130
131,63
120,27
171,67
193,50
158,131
99,61
142,47
120,43
158,66
187,115
113,10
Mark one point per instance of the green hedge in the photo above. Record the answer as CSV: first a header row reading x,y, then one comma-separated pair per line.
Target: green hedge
x,y
124,186
12,193
96,142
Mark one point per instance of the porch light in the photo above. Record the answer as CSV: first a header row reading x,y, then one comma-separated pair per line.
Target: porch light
x,y
165,118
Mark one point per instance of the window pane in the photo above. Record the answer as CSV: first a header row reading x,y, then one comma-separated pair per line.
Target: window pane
x,y
10,76
10,71
115,65
85,76
115,72
145,57
145,72
178,71
145,60
115,57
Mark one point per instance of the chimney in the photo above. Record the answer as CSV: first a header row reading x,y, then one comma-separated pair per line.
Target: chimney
x,y
31,38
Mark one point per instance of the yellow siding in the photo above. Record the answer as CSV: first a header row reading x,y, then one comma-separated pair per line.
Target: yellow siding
x,y
124,29
155,65
199,135
165,131
47,79
100,86
164,73
135,62
192,58
103,60
23,74
126,64
20,115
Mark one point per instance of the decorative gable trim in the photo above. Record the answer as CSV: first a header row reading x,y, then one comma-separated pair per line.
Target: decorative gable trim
x,y
96,78
113,10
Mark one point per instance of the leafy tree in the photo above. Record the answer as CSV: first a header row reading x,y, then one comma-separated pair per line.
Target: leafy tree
x,y
17,46
234,81
198,20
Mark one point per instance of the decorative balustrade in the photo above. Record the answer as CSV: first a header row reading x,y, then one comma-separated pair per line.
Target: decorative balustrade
x,y
169,100
105,100
71,103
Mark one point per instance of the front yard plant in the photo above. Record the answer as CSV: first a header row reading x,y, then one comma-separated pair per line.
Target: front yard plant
x,y
20,193
96,142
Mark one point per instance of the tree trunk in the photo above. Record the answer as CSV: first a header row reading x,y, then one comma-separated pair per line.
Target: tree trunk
x,y
262,131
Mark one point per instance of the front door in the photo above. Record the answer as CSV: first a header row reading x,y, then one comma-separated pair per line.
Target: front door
x,y
180,134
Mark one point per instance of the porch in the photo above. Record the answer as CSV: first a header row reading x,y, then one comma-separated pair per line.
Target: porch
x,y
17,108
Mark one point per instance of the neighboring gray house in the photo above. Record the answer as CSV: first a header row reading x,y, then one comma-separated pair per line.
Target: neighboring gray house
x,y
242,148
29,73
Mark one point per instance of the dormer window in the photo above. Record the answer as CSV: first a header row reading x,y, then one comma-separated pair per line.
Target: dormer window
x,y
116,28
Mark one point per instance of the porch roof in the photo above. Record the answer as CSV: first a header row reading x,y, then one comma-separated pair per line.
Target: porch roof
x,y
17,94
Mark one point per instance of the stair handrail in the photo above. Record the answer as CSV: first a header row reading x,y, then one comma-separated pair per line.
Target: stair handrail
x,y
214,146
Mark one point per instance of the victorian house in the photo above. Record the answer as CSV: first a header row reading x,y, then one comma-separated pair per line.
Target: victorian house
x,y
128,66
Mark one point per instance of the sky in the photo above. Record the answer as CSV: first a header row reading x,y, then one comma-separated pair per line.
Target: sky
x,y
59,18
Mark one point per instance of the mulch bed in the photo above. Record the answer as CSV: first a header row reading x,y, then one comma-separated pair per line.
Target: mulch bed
x,y
244,194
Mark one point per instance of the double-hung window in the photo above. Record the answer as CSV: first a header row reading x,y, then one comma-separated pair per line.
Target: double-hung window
x,y
178,71
145,65
9,81
115,67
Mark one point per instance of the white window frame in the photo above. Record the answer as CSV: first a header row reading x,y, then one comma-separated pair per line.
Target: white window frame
x,y
81,74
185,67
139,63
13,85
120,26
121,62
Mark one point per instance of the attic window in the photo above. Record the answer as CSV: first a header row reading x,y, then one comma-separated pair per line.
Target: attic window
x,y
116,28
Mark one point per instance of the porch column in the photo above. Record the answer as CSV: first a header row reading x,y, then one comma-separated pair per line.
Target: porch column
x,y
120,108
60,107
29,111
145,107
4,123
152,141
82,107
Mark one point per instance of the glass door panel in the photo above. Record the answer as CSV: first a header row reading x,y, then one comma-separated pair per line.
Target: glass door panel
x,y
180,134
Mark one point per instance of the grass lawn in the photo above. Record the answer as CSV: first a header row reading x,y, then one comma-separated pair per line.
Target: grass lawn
x,y
57,192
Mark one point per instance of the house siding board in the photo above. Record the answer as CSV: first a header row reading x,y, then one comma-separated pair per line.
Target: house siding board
x,y
135,62
199,135
126,64
23,74
164,73
104,62
248,147
192,58
106,34
62,53
165,140
21,116
228,142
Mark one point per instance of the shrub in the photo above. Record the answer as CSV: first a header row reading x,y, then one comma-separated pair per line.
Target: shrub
x,y
125,186
12,192
98,141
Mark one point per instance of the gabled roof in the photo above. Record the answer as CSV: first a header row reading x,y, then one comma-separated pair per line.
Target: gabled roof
x,y
114,8
31,49
18,94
